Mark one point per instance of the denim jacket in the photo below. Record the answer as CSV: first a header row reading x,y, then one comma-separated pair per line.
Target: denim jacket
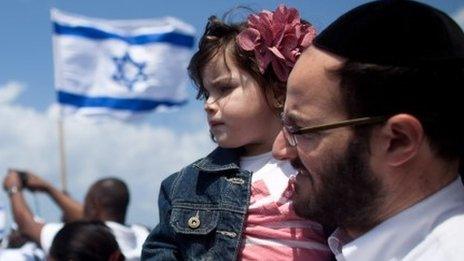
x,y
202,211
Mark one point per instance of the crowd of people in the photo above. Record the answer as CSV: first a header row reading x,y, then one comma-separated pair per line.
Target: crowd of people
x,y
106,200
346,145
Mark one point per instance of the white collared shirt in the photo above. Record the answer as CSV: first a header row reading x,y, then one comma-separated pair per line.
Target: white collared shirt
x,y
432,229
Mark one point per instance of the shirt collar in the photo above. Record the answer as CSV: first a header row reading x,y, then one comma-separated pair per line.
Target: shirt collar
x,y
413,224
219,159
336,241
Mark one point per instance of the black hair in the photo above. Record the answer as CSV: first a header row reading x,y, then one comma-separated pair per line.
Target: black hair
x,y
429,93
84,240
111,195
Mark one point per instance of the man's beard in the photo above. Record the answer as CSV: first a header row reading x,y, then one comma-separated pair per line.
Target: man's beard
x,y
348,195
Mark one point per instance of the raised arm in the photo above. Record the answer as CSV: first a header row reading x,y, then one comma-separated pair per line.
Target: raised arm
x,y
72,210
21,212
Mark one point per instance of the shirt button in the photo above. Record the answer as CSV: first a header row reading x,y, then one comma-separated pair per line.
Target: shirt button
x,y
194,222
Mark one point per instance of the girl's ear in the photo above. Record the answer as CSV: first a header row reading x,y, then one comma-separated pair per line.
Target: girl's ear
x,y
280,102
275,95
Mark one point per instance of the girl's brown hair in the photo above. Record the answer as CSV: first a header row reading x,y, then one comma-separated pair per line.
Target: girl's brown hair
x,y
220,36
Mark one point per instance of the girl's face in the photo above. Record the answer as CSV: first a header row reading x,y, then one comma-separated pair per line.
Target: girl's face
x,y
238,114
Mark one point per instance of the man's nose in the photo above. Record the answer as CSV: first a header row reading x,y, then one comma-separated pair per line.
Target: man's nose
x,y
281,150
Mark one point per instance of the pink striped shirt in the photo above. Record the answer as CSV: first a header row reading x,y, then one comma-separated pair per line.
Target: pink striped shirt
x,y
272,230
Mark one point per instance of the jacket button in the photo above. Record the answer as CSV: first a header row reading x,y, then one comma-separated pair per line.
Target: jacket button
x,y
194,222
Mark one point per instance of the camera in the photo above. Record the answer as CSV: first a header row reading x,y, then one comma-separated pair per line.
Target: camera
x,y
23,176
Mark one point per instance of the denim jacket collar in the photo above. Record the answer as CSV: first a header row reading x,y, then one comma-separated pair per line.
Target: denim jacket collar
x,y
220,159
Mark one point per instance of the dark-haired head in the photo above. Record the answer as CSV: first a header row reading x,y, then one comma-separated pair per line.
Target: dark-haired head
x,y
421,74
372,114
428,93
107,199
85,240
220,37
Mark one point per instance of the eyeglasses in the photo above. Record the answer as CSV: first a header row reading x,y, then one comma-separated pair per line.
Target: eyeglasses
x,y
292,133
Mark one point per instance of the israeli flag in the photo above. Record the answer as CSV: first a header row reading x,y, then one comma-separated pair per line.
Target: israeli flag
x,y
120,68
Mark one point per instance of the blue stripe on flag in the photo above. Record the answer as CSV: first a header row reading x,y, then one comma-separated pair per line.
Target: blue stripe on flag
x,y
138,105
174,38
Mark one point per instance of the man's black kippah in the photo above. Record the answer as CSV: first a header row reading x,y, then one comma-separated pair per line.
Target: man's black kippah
x,y
397,33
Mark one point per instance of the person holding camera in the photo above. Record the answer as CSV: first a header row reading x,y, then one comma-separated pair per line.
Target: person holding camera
x,y
106,200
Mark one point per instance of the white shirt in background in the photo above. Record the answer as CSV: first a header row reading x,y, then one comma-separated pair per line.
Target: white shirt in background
x,y
28,252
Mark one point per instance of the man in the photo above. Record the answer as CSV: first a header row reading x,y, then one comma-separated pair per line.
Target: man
x,y
106,200
373,123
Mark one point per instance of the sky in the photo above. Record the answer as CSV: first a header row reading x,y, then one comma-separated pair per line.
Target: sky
x,y
142,153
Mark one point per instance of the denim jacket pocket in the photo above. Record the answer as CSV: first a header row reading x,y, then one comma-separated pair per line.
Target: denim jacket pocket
x,y
194,221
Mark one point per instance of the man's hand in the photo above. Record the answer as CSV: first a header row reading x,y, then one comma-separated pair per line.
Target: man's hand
x,y
36,183
21,213
12,180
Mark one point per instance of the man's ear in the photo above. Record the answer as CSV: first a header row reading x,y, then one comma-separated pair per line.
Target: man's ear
x,y
401,138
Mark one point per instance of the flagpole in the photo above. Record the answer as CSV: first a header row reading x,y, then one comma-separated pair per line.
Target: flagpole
x,y
63,174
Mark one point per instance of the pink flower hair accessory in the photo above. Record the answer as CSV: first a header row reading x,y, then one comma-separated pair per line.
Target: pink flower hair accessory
x,y
277,38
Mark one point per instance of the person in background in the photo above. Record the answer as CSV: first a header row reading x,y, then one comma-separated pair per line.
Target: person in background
x,y
85,241
235,203
17,247
106,200
374,124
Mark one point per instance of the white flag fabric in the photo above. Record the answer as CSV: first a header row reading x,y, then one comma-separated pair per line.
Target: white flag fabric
x,y
2,223
120,68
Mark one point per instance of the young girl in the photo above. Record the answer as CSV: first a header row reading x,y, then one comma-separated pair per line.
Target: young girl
x,y
235,203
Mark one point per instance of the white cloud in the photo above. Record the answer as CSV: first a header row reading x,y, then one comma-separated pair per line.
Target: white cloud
x,y
10,91
143,155
459,17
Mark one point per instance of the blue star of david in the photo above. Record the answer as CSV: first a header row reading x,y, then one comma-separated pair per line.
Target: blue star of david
x,y
128,72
